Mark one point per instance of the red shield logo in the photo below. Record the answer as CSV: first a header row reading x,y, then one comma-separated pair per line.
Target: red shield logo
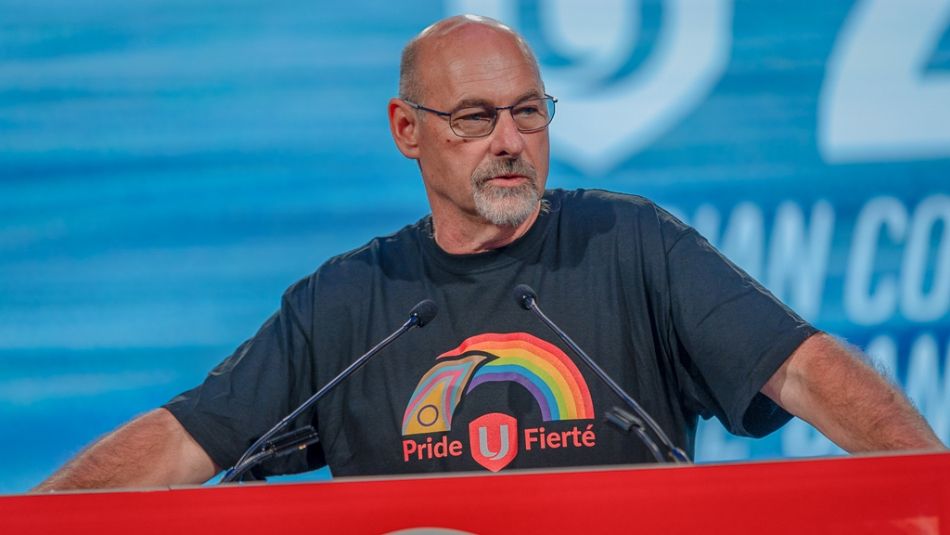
x,y
493,440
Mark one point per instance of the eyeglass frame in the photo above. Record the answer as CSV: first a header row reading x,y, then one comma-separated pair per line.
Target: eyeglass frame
x,y
447,115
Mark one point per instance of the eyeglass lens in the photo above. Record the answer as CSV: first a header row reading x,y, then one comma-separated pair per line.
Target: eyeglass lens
x,y
529,115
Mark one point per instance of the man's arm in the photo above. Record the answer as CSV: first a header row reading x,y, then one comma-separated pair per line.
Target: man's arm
x,y
152,450
836,391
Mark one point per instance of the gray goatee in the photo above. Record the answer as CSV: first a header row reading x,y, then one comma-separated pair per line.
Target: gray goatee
x,y
505,206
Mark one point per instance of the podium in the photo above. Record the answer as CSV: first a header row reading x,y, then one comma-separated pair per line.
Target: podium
x,y
888,494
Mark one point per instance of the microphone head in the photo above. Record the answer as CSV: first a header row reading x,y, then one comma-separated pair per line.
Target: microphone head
x,y
524,296
424,312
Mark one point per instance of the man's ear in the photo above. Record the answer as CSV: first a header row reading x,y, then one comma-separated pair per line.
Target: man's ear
x,y
404,126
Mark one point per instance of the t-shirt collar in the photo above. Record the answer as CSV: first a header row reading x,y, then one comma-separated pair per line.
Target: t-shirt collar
x,y
496,258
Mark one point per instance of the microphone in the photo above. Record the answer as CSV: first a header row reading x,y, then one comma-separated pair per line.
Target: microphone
x,y
637,422
270,446
423,312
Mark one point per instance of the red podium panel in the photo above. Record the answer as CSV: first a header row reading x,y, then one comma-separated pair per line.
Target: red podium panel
x,y
894,494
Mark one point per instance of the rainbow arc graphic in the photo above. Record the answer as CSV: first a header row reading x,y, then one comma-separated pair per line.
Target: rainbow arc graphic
x,y
540,367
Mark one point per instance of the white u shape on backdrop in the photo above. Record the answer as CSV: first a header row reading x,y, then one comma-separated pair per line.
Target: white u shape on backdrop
x,y
599,127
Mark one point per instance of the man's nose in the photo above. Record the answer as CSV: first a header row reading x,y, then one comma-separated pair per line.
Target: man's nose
x,y
507,140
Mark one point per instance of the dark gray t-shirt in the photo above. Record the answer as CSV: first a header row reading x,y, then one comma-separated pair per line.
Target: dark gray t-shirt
x,y
486,385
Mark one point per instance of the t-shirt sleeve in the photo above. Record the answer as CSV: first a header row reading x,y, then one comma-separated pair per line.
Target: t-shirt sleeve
x,y
728,334
266,378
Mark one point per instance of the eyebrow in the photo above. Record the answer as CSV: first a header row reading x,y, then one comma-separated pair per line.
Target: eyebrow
x,y
474,102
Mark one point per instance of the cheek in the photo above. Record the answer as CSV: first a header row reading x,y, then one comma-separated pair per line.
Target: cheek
x,y
543,151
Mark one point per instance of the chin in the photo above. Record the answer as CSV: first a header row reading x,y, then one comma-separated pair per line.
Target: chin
x,y
507,206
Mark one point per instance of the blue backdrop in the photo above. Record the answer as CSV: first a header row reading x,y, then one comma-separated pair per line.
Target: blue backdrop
x,y
168,167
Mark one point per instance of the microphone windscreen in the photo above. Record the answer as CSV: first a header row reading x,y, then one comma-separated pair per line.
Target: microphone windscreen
x,y
424,312
524,296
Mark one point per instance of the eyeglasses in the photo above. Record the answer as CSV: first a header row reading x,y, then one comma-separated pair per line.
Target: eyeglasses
x,y
530,115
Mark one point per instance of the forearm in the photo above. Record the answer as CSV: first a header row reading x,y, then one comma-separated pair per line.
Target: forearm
x,y
152,450
835,390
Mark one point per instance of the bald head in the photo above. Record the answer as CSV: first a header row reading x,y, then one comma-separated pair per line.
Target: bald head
x,y
412,84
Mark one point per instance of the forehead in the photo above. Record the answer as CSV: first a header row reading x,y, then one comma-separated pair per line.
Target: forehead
x,y
476,63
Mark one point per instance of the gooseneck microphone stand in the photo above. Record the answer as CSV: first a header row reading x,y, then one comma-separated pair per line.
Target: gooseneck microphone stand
x,y
270,446
625,421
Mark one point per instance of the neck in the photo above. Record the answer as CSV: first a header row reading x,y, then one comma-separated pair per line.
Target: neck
x,y
476,235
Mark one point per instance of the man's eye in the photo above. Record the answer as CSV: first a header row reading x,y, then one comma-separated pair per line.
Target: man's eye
x,y
474,116
527,110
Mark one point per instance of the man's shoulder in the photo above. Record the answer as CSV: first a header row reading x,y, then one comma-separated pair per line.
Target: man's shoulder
x,y
627,217
352,269
600,203
599,200
381,248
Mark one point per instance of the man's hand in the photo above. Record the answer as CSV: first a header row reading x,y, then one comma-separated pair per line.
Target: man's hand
x,y
153,450
835,390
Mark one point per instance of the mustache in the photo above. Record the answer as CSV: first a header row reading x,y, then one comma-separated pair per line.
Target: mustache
x,y
504,167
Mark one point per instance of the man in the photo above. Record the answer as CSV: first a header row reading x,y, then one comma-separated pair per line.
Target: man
x,y
485,386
